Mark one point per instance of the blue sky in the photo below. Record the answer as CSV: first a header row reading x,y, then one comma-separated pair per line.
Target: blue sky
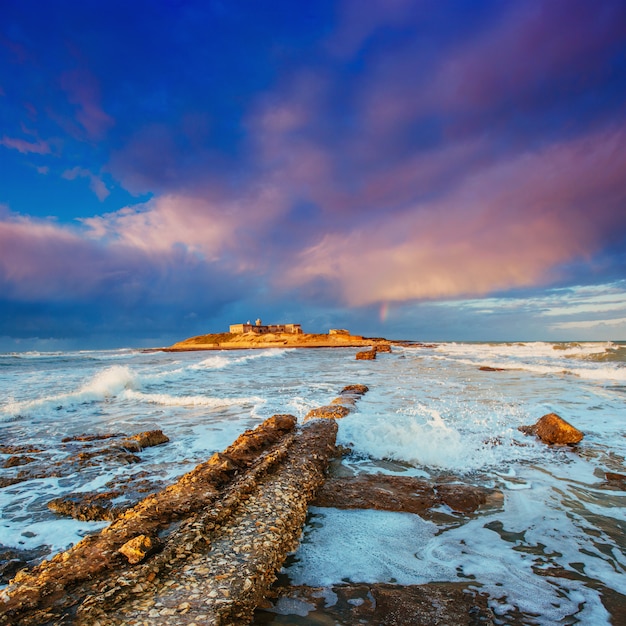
x,y
414,169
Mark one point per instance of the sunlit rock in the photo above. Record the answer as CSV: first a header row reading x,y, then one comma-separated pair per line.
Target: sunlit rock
x,y
138,548
553,429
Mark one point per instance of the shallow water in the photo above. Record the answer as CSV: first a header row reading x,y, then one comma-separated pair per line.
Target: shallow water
x,y
552,550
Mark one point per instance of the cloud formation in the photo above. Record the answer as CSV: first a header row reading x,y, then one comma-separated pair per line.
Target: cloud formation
x,y
96,184
398,152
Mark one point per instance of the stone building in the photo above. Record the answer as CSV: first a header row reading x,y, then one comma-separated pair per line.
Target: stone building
x,y
259,328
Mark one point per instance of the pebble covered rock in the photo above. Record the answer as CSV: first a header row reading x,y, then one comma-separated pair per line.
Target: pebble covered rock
x,y
204,550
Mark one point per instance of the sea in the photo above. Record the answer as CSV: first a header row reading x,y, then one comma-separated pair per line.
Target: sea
x,y
554,549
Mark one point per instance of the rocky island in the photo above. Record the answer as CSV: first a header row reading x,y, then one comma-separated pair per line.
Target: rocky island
x,y
258,335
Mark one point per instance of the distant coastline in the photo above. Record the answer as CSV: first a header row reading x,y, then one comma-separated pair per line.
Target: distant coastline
x,y
251,340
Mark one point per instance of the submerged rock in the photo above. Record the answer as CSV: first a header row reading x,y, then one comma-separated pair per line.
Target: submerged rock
x,y
435,604
615,481
12,560
15,461
553,429
147,439
402,493
97,437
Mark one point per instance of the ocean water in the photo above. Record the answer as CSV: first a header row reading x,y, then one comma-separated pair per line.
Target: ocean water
x,y
555,549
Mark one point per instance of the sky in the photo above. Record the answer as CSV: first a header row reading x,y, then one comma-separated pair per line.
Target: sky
x,y
414,169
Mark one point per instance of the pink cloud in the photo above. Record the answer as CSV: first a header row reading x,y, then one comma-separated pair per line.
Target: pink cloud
x,y
161,224
26,147
510,225
42,259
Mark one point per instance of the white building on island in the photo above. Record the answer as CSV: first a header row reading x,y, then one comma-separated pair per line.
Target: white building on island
x,y
259,328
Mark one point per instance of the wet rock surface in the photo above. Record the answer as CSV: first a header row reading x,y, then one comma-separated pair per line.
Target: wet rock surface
x,y
403,493
366,355
331,411
16,460
89,506
12,560
147,439
436,604
54,587
340,406
615,481
203,550
78,452
553,429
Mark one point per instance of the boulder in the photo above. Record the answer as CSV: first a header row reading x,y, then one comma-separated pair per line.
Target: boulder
x,y
553,429
147,439
356,390
383,347
366,355
331,411
138,548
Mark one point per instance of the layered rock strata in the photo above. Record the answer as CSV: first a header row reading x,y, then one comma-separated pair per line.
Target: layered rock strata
x,y
403,493
56,586
203,550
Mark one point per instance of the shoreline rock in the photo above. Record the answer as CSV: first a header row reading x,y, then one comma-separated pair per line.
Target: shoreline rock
x,y
352,604
252,341
403,493
367,355
553,429
224,528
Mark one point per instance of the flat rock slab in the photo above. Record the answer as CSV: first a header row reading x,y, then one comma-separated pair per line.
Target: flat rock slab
x,y
435,604
403,493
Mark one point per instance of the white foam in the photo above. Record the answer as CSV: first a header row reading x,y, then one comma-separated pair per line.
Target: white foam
x,y
212,363
228,358
526,349
107,383
59,534
421,436
374,546
538,357
164,399
362,546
